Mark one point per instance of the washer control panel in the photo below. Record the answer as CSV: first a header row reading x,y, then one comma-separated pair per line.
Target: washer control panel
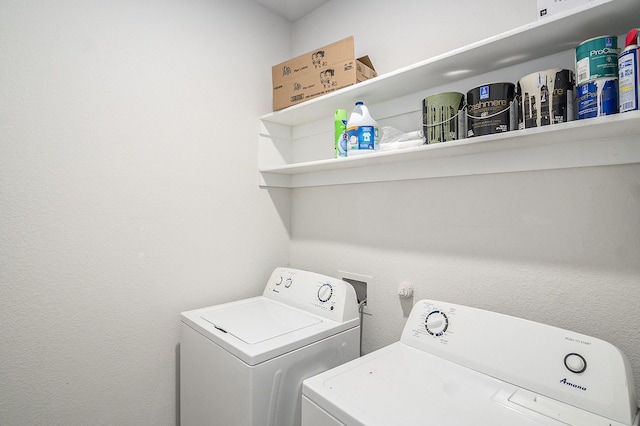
x,y
323,295
574,368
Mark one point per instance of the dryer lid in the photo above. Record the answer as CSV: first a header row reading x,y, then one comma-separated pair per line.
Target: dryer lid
x,y
259,320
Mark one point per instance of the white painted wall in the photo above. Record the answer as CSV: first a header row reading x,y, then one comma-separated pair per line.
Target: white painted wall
x,y
128,191
399,33
559,247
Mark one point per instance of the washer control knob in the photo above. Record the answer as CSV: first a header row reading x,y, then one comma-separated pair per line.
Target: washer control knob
x,y
279,280
325,292
575,363
288,282
436,323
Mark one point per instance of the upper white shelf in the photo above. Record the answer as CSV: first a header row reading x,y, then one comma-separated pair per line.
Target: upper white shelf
x,y
541,38
610,140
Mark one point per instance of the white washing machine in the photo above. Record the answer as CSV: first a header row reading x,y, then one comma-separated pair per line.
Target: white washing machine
x,y
456,365
243,362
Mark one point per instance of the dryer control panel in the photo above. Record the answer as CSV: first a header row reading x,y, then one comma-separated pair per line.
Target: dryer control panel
x,y
326,296
576,369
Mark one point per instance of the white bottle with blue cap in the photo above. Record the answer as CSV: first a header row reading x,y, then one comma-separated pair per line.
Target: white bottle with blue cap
x,y
362,132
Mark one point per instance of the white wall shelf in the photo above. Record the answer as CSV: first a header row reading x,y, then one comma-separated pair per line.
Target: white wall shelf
x,y
603,141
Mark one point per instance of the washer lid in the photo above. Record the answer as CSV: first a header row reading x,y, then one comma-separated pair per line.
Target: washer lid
x,y
259,329
256,321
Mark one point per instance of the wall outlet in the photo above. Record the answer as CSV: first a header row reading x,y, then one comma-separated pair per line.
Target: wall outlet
x,y
405,290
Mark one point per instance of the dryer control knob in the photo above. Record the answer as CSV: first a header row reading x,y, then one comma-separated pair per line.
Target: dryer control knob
x,y
575,363
325,292
436,323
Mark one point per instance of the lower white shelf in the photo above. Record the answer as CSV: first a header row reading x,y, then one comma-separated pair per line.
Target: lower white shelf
x,y
600,141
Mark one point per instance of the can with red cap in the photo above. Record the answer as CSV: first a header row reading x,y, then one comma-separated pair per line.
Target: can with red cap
x,y
629,72
633,37
628,78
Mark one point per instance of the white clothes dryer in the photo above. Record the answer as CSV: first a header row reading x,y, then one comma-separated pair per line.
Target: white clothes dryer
x,y
243,362
455,365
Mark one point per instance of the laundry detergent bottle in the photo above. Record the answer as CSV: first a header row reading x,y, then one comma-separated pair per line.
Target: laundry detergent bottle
x,y
362,132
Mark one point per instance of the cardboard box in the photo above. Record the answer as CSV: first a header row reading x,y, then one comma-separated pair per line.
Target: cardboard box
x,y
333,53
318,72
551,7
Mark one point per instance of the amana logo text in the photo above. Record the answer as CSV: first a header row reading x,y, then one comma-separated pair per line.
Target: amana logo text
x,y
573,385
